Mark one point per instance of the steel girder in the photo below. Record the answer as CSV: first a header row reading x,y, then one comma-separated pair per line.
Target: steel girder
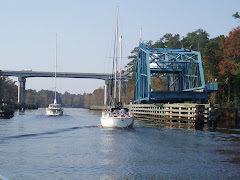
x,y
181,68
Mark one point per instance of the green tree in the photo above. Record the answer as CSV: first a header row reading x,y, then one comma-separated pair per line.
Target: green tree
x,y
211,56
168,41
236,15
196,40
87,100
67,99
131,71
130,67
78,101
8,90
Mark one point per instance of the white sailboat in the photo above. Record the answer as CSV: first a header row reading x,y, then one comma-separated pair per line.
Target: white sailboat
x,y
55,109
117,116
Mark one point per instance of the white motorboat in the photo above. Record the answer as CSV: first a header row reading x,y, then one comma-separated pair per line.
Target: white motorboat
x,y
55,109
117,116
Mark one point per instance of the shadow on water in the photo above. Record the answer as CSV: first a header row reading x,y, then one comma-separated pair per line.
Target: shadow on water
x,y
168,125
228,130
228,134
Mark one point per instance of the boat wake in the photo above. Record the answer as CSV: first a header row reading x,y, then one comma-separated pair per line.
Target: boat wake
x,y
45,133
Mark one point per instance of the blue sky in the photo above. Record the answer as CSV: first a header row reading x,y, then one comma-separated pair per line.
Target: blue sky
x,y
86,32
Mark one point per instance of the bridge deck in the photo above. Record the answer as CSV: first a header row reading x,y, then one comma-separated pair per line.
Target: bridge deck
x,y
28,74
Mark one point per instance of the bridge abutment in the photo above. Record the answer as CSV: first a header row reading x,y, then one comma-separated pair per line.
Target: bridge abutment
x,y
21,90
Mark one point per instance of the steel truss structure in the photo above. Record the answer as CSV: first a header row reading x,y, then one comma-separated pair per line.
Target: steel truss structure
x,y
181,70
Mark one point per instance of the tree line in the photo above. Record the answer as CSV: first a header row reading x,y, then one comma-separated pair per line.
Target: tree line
x,y
42,98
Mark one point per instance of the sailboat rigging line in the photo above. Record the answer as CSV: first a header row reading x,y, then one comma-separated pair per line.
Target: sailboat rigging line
x,y
116,47
120,69
56,71
114,69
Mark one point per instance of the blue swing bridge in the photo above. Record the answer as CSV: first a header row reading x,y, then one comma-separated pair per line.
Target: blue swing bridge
x,y
170,75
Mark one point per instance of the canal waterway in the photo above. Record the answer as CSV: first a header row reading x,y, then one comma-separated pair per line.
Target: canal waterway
x,y
75,146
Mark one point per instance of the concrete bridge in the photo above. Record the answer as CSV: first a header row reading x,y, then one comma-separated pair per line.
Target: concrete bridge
x,y
23,75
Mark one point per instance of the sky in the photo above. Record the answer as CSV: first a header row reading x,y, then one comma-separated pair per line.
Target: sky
x,y
86,31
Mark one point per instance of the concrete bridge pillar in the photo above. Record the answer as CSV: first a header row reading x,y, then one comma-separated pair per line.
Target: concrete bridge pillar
x,y
21,90
106,92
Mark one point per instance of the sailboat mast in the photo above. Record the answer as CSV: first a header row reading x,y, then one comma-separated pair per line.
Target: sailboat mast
x,y
55,100
120,69
116,46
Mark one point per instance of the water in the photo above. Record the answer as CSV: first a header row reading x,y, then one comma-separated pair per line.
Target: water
x,y
75,146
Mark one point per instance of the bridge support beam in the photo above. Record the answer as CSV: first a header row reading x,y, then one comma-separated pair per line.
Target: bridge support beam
x,y
21,90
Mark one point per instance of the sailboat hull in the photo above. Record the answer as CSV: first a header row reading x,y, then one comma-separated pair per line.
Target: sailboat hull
x,y
117,122
51,112
54,110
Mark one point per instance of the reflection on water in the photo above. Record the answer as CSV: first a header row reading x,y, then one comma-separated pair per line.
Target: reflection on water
x,y
75,146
